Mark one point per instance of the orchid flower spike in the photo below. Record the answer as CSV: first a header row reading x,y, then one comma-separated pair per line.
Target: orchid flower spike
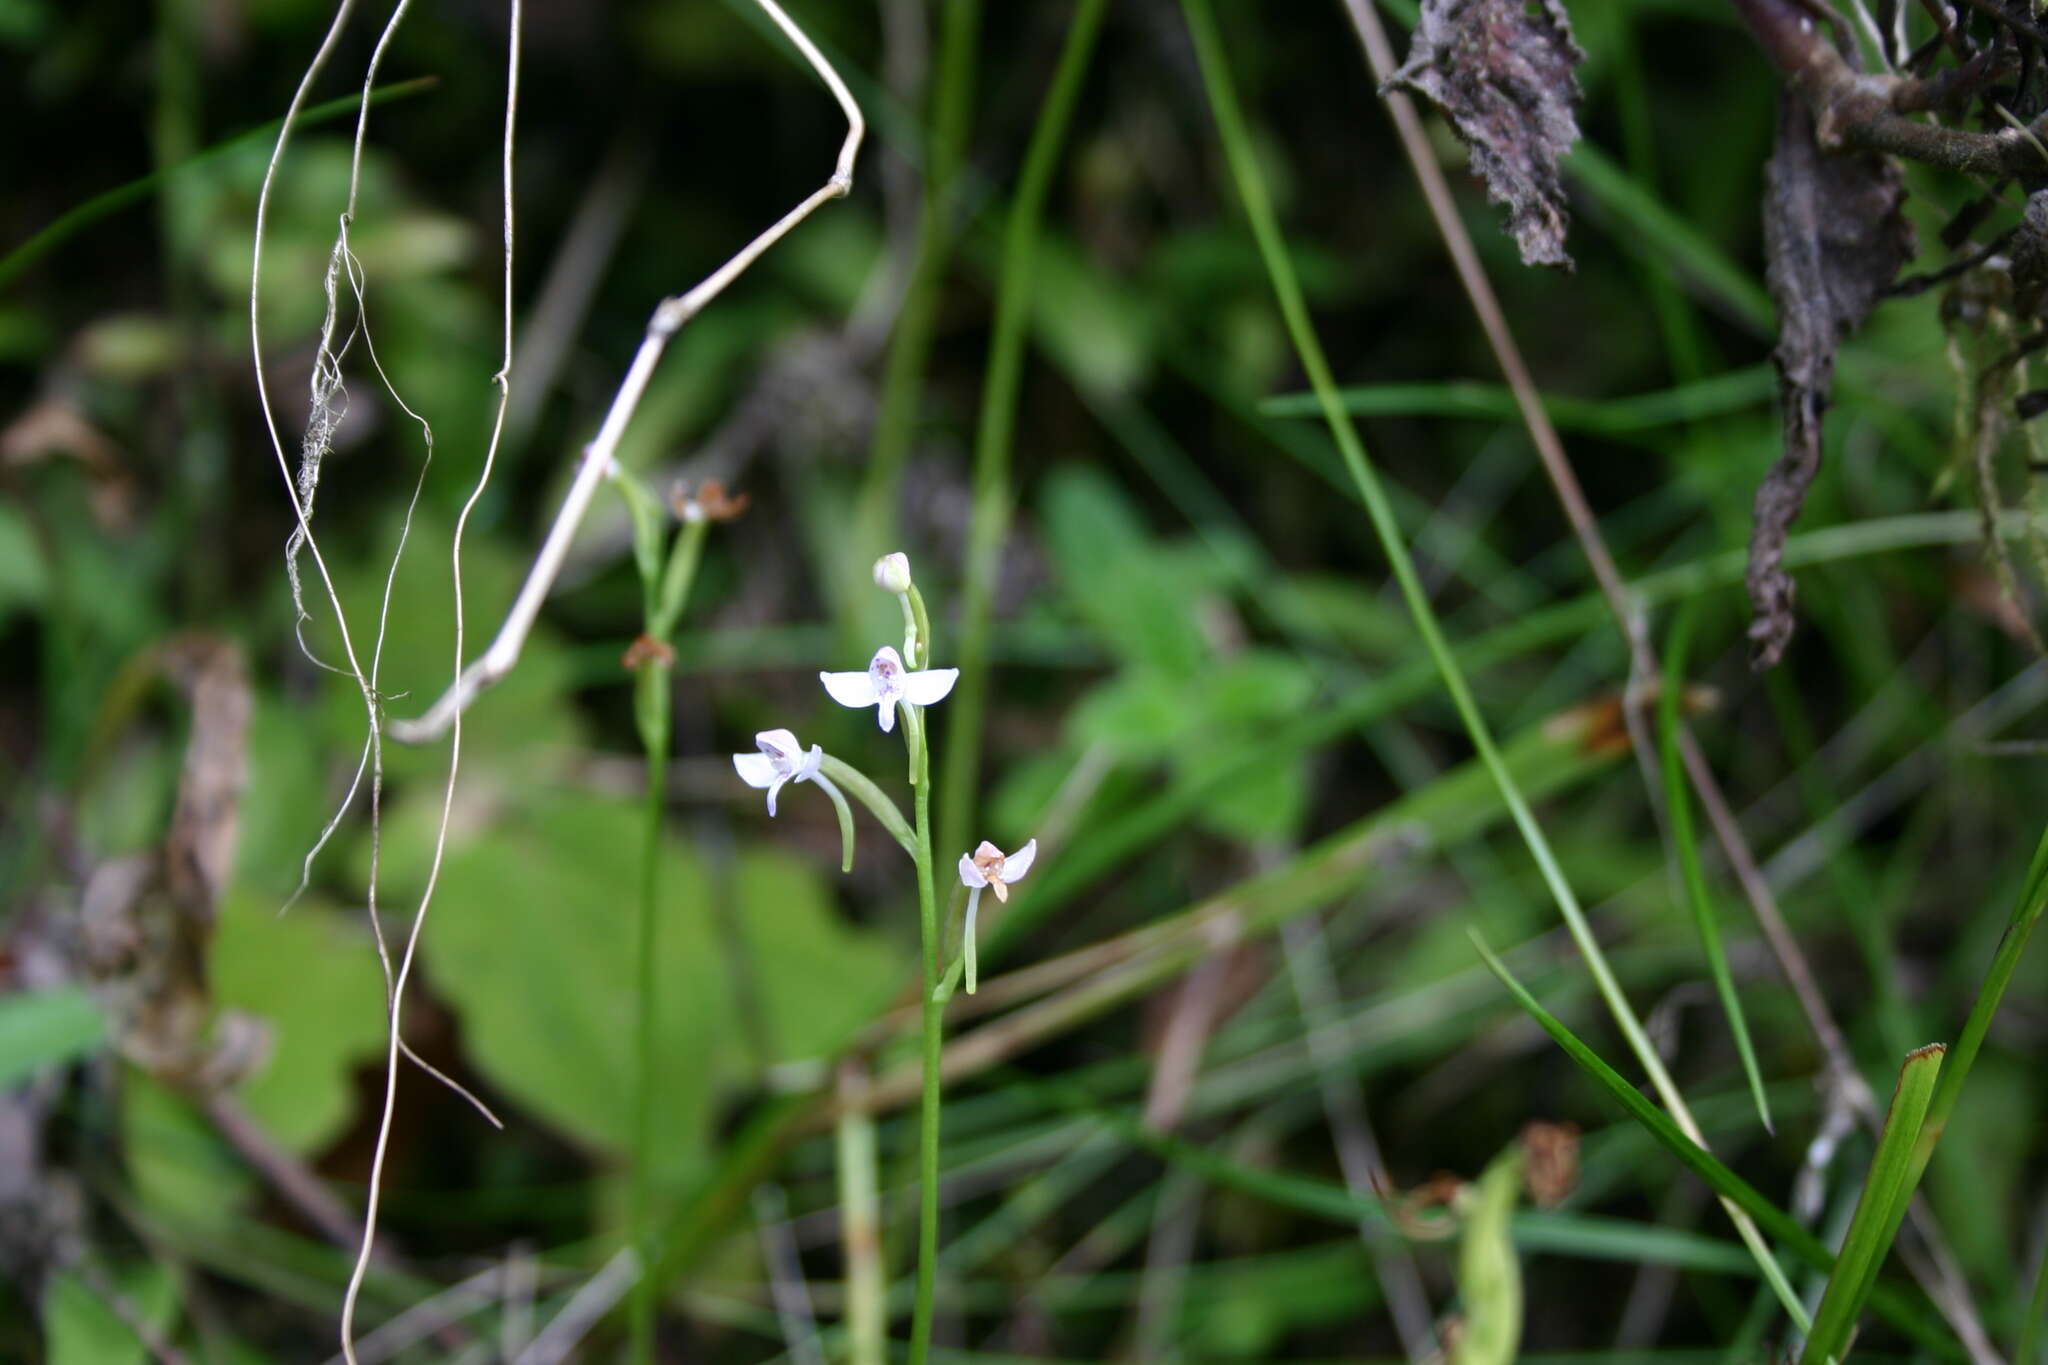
x,y
780,760
988,866
886,682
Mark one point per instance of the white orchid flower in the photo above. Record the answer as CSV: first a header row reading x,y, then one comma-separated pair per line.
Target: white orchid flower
x,y
886,682
990,867
781,760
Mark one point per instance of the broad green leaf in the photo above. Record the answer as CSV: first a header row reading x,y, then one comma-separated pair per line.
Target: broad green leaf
x,y
1139,715
1133,599
820,978
43,1028
178,1165
1103,334
514,725
531,939
311,975
82,1328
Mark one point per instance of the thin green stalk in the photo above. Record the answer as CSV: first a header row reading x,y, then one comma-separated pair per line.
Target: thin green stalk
x,y
934,1019
652,698
1251,186
663,593
1685,842
995,432
855,782
910,344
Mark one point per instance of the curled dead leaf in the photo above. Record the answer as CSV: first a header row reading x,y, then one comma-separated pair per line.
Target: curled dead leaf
x,y
1503,73
1835,238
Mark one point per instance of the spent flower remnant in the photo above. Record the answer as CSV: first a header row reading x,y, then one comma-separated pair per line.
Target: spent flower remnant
x,y
886,682
781,760
988,866
709,503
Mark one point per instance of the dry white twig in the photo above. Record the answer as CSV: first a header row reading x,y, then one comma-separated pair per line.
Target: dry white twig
x,y
669,317
328,406
396,994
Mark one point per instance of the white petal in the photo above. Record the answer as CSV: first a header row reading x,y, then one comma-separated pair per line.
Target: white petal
x,y
930,686
771,795
808,769
1015,865
887,654
887,715
772,742
756,770
970,875
850,689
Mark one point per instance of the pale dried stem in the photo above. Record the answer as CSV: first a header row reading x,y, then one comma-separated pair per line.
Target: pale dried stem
x,y
395,981
669,317
1358,1148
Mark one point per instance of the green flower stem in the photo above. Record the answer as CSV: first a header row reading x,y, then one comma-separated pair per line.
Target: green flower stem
x,y
996,430
675,582
651,690
918,621
934,1018
845,820
855,783
1251,185
651,714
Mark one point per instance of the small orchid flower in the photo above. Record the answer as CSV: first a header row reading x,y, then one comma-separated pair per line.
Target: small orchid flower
x,y
886,682
988,866
780,760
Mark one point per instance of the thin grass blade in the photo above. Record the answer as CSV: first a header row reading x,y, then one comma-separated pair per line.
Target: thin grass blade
x,y
1685,842
1879,1211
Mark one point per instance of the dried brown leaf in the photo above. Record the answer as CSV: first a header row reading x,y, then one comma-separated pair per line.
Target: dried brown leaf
x,y
1502,72
1835,239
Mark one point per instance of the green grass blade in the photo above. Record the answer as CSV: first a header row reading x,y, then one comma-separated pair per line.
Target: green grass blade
x,y
1882,1207
1725,1182
995,432
1685,842
1736,391
69,224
